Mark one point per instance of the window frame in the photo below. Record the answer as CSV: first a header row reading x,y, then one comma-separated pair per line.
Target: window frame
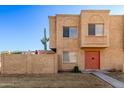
x,y
95,29
69,32
69,62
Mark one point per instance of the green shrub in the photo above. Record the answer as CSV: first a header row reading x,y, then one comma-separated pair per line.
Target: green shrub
x,y
76,69
16,52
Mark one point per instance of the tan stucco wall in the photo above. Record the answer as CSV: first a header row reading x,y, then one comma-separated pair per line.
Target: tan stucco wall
x,y
28,64
111,44
64,44
89,17
52,28
113,56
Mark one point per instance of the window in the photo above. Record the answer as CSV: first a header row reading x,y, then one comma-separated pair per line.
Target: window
x,y
96,29
91,29
99,30
69,57
70,32
65,31
65,56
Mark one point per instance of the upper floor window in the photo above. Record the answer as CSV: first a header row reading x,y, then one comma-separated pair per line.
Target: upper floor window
x,y
96,29
70,32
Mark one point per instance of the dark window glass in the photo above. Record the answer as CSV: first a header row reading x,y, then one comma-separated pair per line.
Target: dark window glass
x,y
91,29
65,31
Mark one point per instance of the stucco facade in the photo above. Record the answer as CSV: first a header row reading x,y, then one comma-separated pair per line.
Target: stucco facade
x,y
110,45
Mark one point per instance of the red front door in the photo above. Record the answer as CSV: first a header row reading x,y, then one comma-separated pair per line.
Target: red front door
x,y
92,60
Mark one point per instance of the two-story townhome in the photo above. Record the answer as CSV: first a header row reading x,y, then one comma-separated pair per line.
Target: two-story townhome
x,y
94,39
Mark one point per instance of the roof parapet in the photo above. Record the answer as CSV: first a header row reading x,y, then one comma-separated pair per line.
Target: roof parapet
x,y
95,11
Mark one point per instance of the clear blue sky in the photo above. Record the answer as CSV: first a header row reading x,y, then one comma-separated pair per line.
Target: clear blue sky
x,y
21,27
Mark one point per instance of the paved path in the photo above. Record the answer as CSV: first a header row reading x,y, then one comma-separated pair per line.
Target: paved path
x,y
114,82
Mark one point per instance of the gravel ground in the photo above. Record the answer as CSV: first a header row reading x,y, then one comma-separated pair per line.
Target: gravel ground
x,y
61,80
117,75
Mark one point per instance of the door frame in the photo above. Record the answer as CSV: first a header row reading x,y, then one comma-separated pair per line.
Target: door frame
x,y
85,59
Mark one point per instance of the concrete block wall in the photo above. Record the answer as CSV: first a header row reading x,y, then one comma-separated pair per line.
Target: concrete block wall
x,y
28,64
0,62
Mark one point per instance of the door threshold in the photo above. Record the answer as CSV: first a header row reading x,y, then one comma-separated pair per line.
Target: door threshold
x,y
92,70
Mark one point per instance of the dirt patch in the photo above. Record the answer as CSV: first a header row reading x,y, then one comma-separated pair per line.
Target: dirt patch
x,y
63,80
117,75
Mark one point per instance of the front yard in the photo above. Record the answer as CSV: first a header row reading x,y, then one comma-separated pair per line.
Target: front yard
x,y
117,75
61,80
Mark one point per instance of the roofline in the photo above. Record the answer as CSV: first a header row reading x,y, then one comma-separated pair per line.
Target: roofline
x,y
51,16
67,15
98,11
87,11
116,15
63,15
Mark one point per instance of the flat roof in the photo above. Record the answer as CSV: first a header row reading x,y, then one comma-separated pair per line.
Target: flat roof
x,y
103,11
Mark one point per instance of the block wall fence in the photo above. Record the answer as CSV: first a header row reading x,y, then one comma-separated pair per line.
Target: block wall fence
x,y
28,63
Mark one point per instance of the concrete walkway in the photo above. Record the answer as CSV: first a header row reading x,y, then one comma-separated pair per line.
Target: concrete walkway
x,y
113,82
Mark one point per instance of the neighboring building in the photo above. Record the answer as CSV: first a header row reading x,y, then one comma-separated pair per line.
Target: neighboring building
x,y
94,39
38,52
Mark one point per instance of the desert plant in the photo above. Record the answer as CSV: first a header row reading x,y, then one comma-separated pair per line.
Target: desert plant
x,y
44,40
76,69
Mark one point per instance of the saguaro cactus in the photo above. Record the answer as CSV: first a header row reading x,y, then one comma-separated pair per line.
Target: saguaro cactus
x,y
44,40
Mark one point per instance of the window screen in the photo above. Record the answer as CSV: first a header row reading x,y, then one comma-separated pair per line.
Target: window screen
x,y
73,57
99,29
72,32
66,56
